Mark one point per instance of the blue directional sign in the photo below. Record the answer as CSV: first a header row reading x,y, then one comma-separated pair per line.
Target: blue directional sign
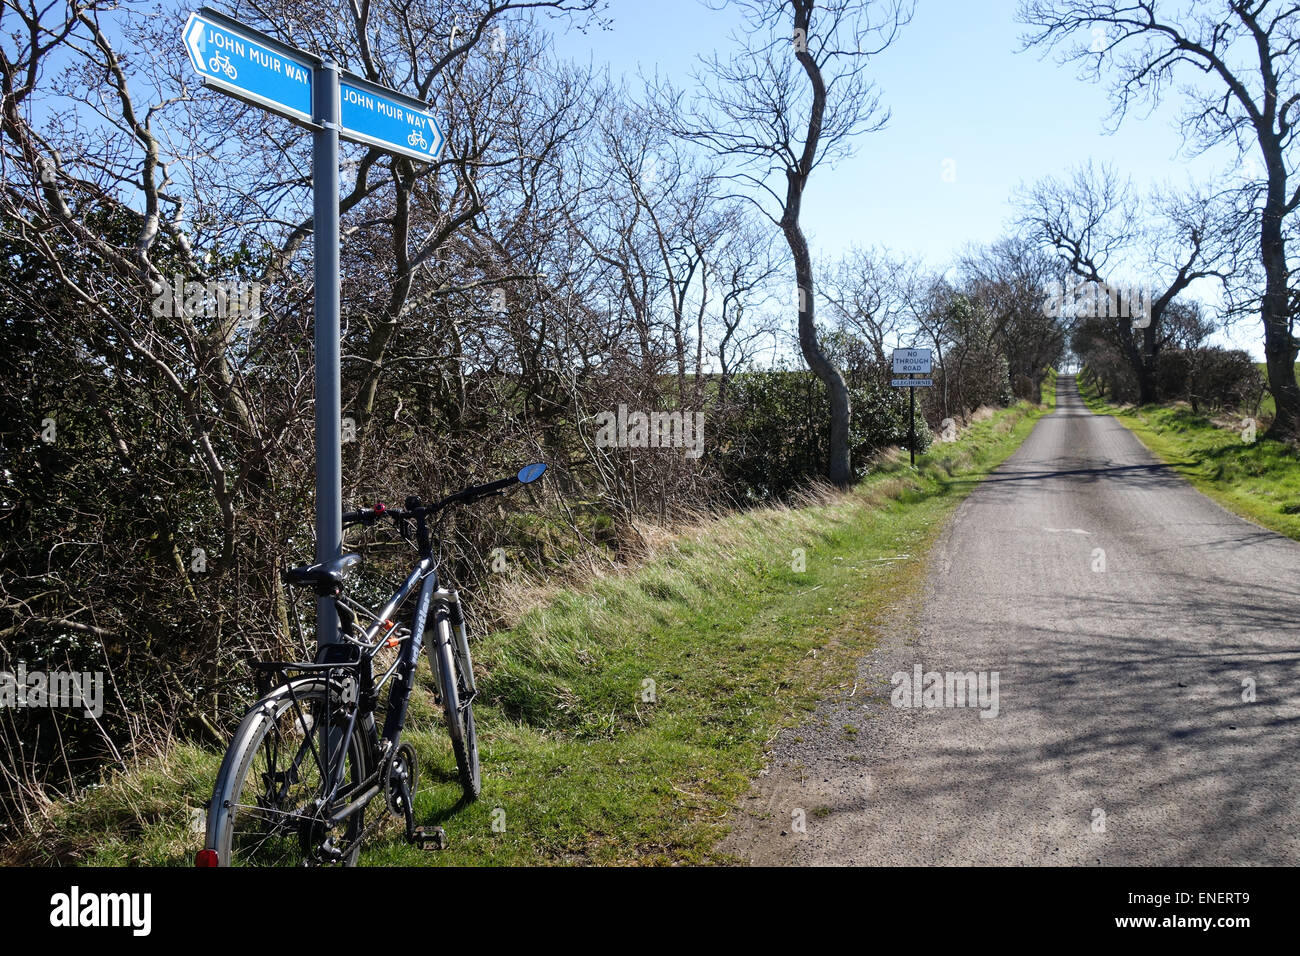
x,y
371,114
251,66
259,69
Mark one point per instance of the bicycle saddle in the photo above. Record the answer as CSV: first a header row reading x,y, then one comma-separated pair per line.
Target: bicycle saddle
x,y
327,574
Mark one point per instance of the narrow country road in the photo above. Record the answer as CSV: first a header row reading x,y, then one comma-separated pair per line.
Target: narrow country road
x,y
1127,617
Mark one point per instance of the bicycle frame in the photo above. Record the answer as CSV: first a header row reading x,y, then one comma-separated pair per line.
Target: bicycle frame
x,y
441,601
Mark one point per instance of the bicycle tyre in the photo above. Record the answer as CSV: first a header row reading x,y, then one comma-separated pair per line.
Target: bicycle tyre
x,y
229,818
460,717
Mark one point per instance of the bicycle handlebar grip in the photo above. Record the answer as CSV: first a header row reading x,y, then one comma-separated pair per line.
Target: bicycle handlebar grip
x,y
366,516
492,487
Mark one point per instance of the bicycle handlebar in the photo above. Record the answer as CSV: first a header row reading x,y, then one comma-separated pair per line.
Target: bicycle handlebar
x,y
413,509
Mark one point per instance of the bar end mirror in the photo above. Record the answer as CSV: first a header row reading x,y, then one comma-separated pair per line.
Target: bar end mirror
x,y
531,472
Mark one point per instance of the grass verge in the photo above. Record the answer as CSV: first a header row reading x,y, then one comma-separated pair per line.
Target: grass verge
x,y
1267,406
1259,480
619,721
1048,391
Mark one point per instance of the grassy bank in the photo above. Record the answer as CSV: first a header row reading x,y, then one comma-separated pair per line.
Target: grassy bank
x,y
741,624
1267,407
1258,480
1048,391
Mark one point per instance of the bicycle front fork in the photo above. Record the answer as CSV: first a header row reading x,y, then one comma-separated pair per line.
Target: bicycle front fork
x,y
461,648
446,605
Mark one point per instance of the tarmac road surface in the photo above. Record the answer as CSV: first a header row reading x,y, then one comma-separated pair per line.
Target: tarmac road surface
x,y
1128,619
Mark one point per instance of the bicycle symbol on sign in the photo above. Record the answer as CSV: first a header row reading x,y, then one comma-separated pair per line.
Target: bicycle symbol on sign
x,y
222,62
417,139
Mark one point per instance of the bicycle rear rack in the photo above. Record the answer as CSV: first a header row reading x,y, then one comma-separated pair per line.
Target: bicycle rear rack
x,y
343,658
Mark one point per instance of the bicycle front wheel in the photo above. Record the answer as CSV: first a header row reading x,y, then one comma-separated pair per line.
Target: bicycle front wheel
x,y
458,705
269,804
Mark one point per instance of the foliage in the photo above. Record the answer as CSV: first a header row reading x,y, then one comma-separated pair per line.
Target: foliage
x,y
775,440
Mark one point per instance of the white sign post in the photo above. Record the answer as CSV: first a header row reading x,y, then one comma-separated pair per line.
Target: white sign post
x,y
911,362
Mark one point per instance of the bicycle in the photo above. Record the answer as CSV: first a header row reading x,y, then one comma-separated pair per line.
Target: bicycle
x,y
416,138
222,62
308,758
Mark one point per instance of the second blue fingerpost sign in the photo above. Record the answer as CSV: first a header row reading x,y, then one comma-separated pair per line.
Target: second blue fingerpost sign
x,y
313,92
369,113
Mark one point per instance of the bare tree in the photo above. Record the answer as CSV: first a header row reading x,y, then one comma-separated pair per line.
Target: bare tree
x,y
1247,50
1102,231
873,293
744,271
1008,279
794,95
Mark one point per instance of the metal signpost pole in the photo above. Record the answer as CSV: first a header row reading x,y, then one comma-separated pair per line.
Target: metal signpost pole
x,y
911,426
329,409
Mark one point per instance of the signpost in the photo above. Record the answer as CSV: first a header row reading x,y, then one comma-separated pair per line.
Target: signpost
x,y
258,69
912,362
255,68
315,93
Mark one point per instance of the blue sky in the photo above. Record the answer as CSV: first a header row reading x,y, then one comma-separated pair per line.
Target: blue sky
x,y
959,91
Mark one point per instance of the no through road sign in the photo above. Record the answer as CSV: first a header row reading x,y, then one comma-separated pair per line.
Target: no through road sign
x,y
911,361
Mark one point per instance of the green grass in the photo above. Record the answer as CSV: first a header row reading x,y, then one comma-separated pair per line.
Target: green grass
x,y
1048,398
1267,407
578,765
1259,481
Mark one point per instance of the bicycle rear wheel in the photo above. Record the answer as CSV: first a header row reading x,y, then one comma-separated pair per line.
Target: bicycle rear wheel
x,y
458,705
267,803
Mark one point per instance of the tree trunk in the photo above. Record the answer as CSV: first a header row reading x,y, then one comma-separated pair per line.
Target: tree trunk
x,y
1141,357
839,468
1146,385
1279,345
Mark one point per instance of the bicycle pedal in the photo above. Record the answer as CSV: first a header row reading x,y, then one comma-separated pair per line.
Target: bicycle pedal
x,y
435,839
